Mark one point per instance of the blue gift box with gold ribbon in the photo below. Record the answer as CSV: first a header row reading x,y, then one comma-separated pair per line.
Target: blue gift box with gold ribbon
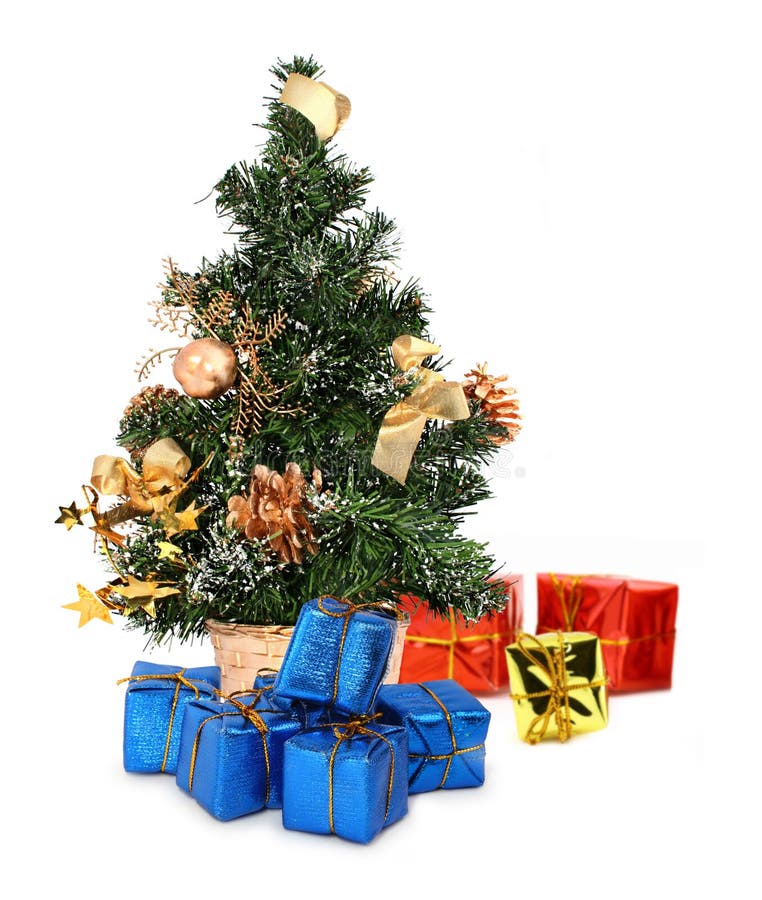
x,y
446,727
346,778
337,656
231,755
154,705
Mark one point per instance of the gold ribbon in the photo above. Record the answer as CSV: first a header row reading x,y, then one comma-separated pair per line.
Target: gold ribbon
x,y
345,731
317,101
165,465
250,715
181,681
346,614
456,751
570,608
553,667
456,639
258,693
432,398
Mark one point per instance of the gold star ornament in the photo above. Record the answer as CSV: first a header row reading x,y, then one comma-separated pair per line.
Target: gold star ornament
x,y
168,550
70,516
89,607
174,522
144,594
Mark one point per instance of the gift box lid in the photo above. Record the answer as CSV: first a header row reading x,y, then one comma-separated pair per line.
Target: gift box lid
x,y
205,678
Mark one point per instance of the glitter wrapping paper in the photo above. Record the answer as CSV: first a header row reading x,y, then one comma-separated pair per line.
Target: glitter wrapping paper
x,y
634,619
352,787
557,684
153,714
446,726
236,769
473,654
337,656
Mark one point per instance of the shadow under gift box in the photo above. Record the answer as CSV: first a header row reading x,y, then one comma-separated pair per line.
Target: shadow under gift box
x,y
634,619
446,726
230,764
337,656
345,781
154,705
473,654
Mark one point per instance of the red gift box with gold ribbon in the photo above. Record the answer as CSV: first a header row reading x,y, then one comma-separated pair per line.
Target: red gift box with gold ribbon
x,y
473,654
634,619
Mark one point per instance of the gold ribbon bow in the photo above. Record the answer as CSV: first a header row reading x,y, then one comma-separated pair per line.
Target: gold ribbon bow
x,y
345,731
251,715
432,398
165,465
552,668
181,681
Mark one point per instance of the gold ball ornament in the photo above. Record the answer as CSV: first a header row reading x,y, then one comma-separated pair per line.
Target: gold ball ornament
x,y
205,368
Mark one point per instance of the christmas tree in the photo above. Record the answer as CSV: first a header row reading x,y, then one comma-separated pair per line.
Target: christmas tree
x,y
315,447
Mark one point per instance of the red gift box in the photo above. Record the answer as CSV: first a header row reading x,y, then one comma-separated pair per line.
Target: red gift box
x,y
634,619
438,647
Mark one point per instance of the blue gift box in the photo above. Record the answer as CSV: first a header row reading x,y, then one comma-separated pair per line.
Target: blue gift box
x,y
345,779
446,727
231,755
153,712
337,656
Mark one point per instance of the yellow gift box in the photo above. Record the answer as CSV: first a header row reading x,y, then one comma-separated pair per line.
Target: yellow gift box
x,y
558,684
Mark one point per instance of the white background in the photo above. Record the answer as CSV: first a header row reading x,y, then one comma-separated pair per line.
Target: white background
x,y
578,188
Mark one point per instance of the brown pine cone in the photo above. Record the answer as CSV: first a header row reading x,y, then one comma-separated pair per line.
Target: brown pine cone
x,y
276,509
150,398
499,405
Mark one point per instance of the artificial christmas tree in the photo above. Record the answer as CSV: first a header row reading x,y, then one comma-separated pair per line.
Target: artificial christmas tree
x,y
315,447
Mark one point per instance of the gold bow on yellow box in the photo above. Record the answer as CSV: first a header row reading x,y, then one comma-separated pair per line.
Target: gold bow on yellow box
x,y
432,398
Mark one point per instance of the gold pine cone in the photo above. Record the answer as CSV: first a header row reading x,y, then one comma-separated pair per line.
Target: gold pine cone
x,y
499,405
276,509
150,398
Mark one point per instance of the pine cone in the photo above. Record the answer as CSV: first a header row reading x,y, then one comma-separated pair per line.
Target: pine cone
x,y
499,405
150,398
276,509
143,414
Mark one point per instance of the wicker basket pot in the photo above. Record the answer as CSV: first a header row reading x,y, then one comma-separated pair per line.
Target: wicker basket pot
x,y
242,650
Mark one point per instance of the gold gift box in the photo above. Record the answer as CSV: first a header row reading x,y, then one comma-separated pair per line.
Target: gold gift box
x,y
558,684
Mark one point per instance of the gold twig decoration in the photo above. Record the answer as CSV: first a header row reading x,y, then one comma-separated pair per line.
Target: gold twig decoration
x,y
148,363
257,395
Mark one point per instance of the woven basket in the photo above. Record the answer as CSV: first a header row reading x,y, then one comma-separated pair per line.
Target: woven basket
x,y
242,650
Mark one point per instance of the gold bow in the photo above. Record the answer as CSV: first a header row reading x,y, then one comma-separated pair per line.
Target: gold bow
x,y
432,398
165,465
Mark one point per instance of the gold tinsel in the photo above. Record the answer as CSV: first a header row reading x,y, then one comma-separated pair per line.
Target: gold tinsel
x,y
499,405
275,509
